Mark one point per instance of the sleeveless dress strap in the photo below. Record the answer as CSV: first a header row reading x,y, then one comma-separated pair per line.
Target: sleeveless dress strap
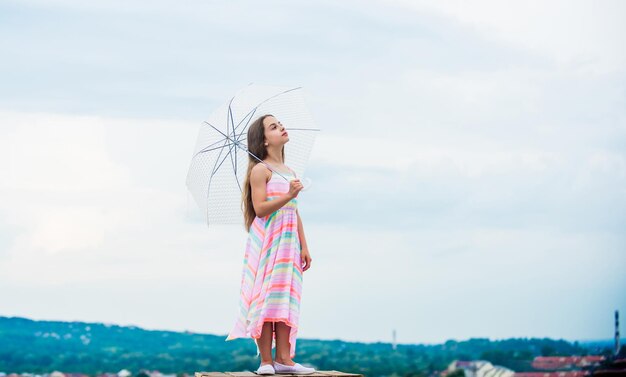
x,y
271,171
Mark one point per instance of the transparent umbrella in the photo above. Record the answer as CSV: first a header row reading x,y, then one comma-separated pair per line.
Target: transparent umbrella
x,y
220,160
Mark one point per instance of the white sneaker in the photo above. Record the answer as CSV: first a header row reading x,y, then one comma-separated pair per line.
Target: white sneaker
x,y
292,369
265,369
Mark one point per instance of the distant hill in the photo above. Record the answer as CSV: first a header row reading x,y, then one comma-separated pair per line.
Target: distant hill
x,y
78,347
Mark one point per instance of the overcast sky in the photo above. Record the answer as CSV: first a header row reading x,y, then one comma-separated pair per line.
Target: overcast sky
x,y
469,179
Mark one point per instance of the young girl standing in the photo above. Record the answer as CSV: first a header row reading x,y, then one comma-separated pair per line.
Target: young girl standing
x,y
276,252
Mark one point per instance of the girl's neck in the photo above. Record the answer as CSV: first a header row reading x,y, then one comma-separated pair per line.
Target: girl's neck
x,y
274,157
273,161
277,165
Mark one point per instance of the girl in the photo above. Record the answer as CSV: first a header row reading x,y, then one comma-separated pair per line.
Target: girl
x,y
276,252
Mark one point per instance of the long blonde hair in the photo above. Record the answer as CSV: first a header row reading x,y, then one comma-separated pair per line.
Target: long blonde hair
x,y
256,145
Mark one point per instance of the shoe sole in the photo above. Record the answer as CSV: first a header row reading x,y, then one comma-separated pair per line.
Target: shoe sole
x,y
295,372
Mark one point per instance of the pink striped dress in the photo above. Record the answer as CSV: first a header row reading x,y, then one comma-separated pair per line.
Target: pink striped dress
x,y
271,280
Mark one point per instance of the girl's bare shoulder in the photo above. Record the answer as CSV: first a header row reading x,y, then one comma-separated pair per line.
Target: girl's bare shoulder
x,y
260,170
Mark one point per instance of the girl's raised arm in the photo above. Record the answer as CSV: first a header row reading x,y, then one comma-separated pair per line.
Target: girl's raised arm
x,y
262,206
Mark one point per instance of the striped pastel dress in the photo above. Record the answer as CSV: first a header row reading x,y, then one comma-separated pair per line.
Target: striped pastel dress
x,y
271,280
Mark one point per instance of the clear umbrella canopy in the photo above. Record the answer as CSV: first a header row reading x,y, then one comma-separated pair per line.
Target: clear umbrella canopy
x,y
219,162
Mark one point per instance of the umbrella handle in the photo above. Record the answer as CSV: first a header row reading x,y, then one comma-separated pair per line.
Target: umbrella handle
x,y
306,183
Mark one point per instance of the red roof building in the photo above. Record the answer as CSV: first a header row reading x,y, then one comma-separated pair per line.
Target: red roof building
x,y
565,362
569,373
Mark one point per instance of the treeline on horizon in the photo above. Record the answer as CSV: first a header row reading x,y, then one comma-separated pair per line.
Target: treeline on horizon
x,y
28,346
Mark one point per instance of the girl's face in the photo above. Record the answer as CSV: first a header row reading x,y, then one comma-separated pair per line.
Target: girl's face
x,y
275,133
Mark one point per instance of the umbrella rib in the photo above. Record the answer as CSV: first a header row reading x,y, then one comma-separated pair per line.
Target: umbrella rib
x,y
208,146
234,140
254,109
250,153
233,163
218,156
249,115
224,159
213,170
214,148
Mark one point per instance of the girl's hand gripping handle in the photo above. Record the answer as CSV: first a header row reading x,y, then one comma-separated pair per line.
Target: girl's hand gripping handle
x,y
294,188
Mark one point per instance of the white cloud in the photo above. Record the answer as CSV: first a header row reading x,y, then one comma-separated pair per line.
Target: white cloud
x,y
71,188
433,157
464,155
478,282
585,35
63,229
42,152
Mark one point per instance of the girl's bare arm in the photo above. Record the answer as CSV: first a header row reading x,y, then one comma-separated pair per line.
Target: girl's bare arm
x,y
258,180
303,244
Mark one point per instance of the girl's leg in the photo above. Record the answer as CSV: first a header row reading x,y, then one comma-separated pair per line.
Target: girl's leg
x,y
265,343
283,347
